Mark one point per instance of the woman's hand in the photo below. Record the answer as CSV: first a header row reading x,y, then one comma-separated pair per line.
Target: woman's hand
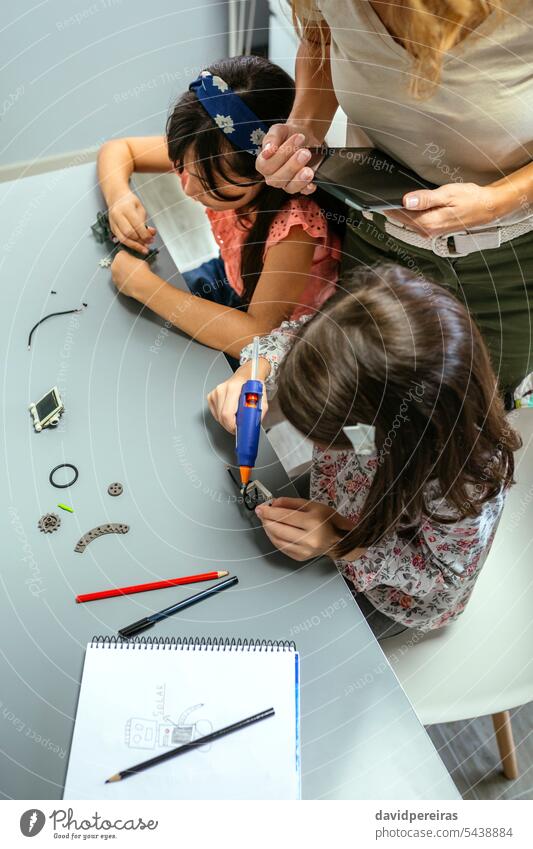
x,y
132,277
224,399
301,529
451,208
127,219
284,158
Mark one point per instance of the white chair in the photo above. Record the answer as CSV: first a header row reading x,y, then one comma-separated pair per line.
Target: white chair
x,y
483,663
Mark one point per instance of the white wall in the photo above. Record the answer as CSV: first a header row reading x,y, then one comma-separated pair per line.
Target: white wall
x,y
75,72
282,48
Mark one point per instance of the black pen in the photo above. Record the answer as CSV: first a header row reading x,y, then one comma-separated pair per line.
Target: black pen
x,y
194,744
148,621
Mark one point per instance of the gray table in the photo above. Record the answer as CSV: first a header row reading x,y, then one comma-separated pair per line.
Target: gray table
x,y
134,394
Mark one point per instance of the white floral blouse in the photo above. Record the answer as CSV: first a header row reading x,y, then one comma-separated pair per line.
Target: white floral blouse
x,y
423,581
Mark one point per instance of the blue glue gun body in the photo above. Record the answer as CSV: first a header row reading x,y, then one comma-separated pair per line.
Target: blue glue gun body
x,y
248,422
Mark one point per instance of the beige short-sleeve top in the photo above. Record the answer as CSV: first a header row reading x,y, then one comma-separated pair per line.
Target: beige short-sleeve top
x,y
477,126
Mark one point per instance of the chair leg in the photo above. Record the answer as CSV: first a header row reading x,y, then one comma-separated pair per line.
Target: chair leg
x,y
504,738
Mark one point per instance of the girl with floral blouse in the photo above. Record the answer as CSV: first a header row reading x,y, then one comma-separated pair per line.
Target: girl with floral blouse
x,y
412,456
279,257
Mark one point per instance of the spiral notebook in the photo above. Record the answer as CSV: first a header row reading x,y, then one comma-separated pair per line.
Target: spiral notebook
x,y
140,698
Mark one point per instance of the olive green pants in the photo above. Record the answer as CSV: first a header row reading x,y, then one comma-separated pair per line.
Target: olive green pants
x,y
495,285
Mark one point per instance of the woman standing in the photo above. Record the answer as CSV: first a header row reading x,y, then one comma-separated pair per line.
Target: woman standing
x,y
446,88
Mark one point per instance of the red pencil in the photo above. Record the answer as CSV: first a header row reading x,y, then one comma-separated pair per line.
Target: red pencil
x,y
157,585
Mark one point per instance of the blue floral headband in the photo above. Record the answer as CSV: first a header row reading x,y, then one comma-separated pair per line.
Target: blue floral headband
x,y
230,113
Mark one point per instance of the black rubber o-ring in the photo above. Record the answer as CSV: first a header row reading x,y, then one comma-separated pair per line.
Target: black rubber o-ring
x,y
63,466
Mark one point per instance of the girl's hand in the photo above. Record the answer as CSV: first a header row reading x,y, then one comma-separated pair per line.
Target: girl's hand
x,y
224,400
301,529
127,219
131,276
451,208
284,158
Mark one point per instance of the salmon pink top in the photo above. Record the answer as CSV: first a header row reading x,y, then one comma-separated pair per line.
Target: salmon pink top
x,y
231,232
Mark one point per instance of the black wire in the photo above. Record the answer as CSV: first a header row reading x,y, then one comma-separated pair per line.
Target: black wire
x,y
232,476
51,315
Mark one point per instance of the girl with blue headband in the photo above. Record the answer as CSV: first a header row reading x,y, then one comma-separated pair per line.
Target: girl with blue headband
x,y
278,256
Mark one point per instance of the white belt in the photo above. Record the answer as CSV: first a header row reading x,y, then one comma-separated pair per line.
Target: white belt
x,y
461,243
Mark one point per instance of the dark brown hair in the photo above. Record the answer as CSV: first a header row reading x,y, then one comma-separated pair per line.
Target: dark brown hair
x,y
269,92
402,354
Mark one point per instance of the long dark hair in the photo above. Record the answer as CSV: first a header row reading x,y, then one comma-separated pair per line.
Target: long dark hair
x,y
403,354
269,92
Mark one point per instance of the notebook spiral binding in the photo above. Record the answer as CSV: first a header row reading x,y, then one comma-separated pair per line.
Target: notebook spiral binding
x,y
194,643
